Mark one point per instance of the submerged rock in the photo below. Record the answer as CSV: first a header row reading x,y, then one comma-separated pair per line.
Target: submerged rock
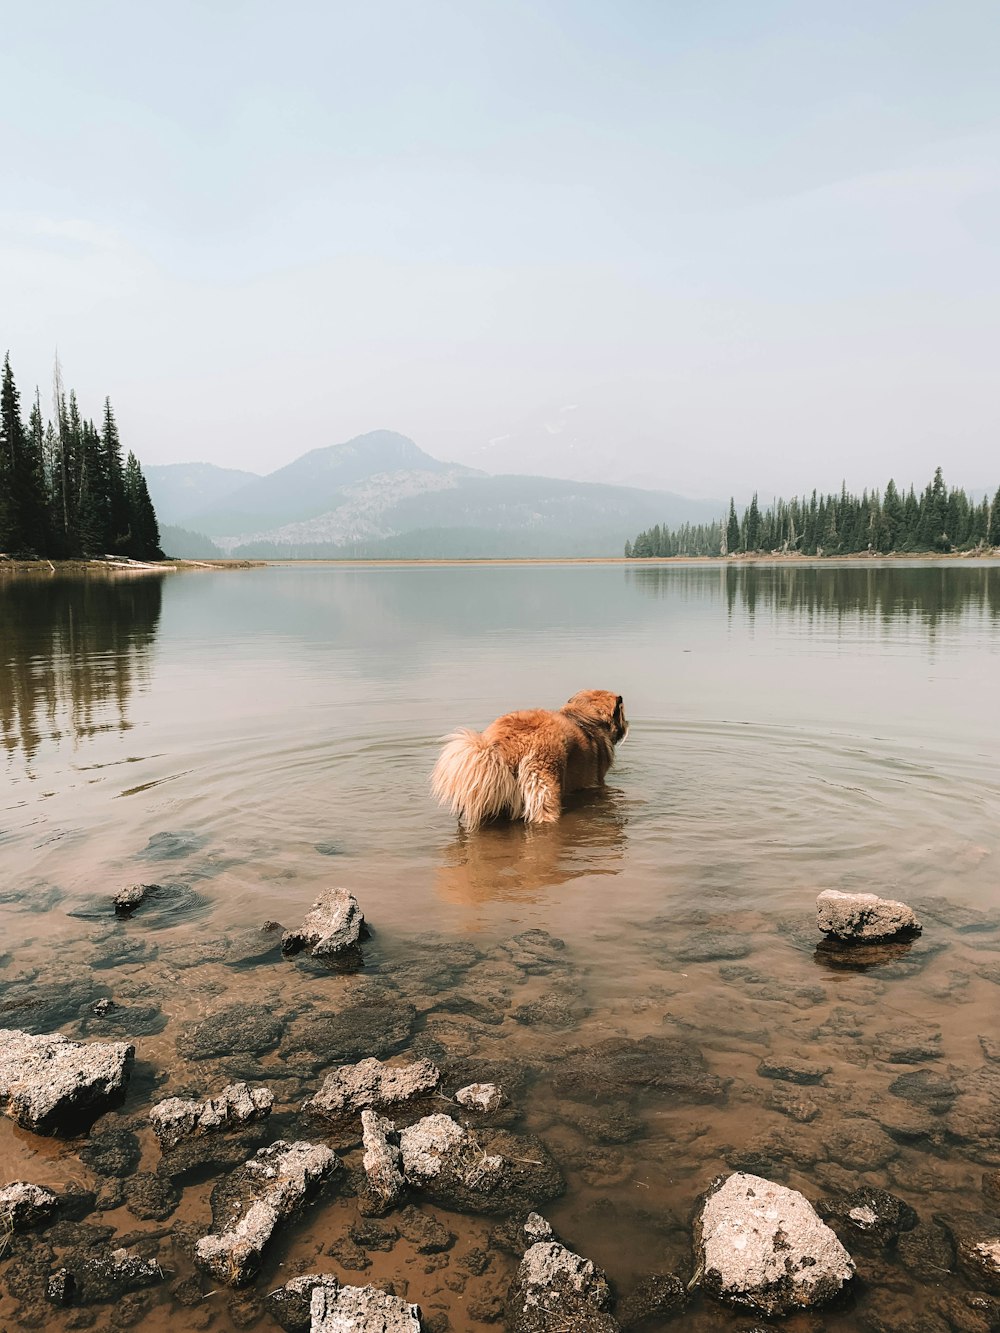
x,y
289,1306
23,1206
555,1288
370,1083
863,916
875,1215
236,1029
485,1097
792,1070
50,1084
763,1247
179,1118
616,1068
346,1309
378,1024
247,1206
478,1170
383,1159
149,1197
114,1152
334,925
108,1277
655,1296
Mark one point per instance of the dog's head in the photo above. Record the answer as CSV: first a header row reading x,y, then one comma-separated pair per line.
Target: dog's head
x,y
604,707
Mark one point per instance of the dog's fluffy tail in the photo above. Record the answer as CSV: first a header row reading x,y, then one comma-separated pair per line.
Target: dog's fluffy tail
x,y
472,778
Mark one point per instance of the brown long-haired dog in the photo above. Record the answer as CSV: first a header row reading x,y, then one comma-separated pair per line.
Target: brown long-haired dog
x,y
523,763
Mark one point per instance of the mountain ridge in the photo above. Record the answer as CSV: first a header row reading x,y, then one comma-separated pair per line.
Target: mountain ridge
x,y
378,487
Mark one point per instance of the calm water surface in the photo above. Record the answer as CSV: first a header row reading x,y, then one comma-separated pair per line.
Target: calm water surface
x,y
251,737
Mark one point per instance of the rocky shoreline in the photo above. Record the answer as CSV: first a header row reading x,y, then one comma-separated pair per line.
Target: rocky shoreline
x,y
371,1114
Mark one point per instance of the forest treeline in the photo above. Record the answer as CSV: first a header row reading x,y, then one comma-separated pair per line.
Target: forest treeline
x,y
65,488
939,518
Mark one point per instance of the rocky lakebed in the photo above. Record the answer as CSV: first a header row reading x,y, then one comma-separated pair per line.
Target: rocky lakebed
x,y
326,1124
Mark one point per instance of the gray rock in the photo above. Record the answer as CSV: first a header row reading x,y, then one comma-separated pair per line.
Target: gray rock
x,y
248,1206
426,1144
485,1097
370,1083
134,896
763,1247
555,1288
863,916
334,925
382,1159
979,1258
478,1170
179,1118
50,1084
349,1309
537,1228
289,1305
60,1287
23,1206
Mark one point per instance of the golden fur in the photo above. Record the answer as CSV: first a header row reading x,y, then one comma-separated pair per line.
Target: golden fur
x,y
523,764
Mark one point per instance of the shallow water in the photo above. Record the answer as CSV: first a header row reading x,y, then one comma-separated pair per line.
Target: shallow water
x,y
251,737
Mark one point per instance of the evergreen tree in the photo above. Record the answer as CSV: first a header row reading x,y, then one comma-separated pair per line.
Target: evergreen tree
x,y
732,530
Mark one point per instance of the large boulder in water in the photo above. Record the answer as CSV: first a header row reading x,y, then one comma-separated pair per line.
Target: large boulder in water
x,y
763,1247
51,1084
370,1083
247,1206
179,1118
556,1289
345,1309
334,925
863,916
478,1170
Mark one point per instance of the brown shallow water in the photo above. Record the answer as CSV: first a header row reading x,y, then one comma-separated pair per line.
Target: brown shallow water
x,y
251,737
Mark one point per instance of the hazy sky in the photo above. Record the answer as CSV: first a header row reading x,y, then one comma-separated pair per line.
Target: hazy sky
x,y
714,245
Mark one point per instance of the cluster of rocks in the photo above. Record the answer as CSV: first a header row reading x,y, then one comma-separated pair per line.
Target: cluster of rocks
x,y
758,1245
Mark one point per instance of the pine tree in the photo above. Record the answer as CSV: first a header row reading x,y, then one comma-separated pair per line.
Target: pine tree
x,y
23,499
117,503
753,525
732,530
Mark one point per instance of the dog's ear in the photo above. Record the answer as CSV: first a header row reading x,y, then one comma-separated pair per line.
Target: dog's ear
x,y
619,727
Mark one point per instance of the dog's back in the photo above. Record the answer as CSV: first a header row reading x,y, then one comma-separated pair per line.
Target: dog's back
x,y
518,766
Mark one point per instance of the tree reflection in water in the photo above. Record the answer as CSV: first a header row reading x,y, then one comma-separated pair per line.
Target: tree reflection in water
x,y
72,650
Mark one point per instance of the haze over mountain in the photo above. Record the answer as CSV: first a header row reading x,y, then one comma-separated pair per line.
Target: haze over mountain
x,y
381,494
180,488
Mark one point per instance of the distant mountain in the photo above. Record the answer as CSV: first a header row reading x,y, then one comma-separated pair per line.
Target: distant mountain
x,y
178,489
184,545
380,494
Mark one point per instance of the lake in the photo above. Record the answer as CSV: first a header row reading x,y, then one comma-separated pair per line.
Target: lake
x,y
247,738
